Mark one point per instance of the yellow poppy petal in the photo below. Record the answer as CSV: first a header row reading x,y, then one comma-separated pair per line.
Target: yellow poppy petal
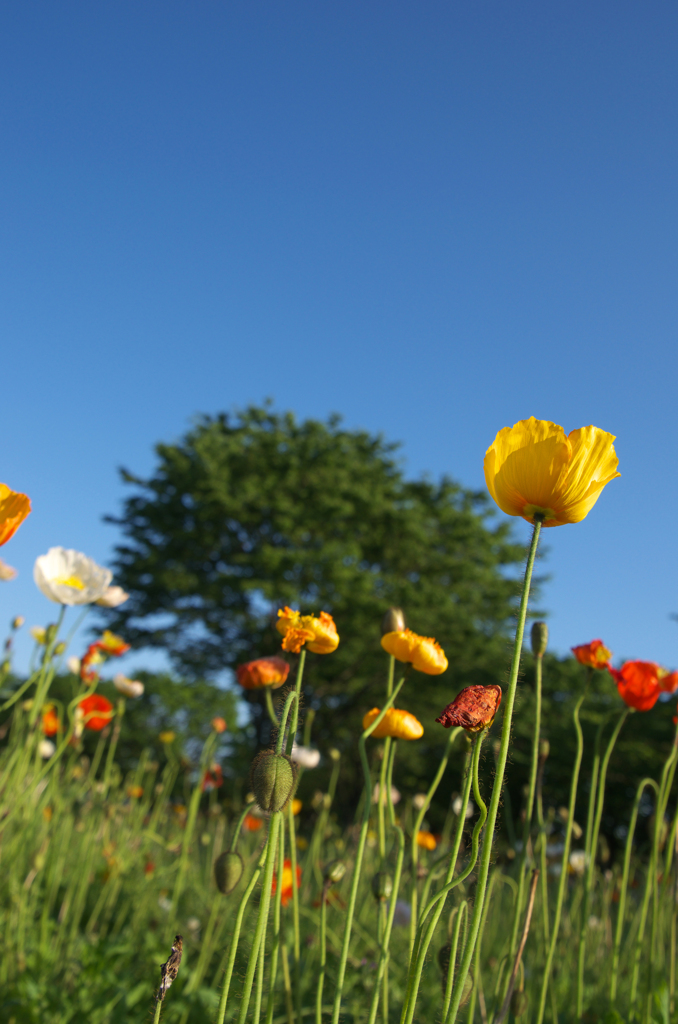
x,y
594,463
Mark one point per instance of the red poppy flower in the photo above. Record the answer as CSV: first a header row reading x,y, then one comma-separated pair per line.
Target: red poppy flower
x,y
286,892
638,683
593,655
473,708
668,681
97,712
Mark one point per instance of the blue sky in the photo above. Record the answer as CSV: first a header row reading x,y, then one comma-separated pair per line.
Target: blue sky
x,y
435,219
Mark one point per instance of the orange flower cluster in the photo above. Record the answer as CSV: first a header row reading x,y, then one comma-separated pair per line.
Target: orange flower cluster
x,y
396,723
286,883
262,672
316,634
107,646
593,655
423,652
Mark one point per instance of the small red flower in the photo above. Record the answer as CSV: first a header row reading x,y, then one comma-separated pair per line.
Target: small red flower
x,y
638,683
473,708
593,655
286,891
97,712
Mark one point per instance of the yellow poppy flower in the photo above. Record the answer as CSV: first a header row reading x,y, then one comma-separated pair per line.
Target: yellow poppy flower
x,y
425,654
427,840
318,634
14,508
533,468
398,724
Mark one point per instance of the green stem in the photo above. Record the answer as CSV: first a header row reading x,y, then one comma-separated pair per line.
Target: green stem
x,y
486,854
236,937
565,862
262,918
158,1008
297,691
120,711
269,707
381,799
417,827
295,909
276,929
348,925
323,955
461,913
283,740
591,862
621,912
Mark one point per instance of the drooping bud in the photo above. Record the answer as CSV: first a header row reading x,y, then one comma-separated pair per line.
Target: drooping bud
x,y
540,638
544,749
335,871
393,621
272,778
473,708
228,869
382,885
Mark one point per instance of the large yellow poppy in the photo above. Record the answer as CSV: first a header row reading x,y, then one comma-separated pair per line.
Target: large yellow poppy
x,y
533,469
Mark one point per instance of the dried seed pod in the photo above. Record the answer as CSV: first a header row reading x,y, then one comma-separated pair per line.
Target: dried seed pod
x,y
393,621
228,869
272,778
382,885
540,638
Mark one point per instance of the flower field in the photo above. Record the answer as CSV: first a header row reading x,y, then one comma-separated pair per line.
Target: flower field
x,y
262,908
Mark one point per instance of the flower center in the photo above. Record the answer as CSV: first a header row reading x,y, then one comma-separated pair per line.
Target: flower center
x,y
69,581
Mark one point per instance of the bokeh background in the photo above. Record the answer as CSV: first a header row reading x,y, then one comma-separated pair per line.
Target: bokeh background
x,y
435,219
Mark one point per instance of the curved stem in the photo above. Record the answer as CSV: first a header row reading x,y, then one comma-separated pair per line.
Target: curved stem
x,y
297,691
236,936
486,854
262,919
564,864
268,699
461,914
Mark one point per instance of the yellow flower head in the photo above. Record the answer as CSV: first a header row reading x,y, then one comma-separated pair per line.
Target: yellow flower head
x,y
318,634
533,469
425,654
398,724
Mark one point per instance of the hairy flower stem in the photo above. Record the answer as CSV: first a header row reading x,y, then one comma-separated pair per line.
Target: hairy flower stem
x,y
381,803
236,936
529,805
461,916
621,912
591,861
437,902
417,826
323,955
287,746
486,854
297,691
269,707
262,918
276,929
565,861
357,868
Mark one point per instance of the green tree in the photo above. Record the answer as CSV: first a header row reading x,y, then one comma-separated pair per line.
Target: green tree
x,y
253,511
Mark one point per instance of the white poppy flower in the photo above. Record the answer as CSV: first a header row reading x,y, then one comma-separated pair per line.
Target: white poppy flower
x,y
130,687
46,748
419,799
6,571
112,597
69,577
395,794
305,756
73,665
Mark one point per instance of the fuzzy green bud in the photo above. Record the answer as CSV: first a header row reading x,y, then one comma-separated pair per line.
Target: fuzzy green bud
x,y
228,869
393,621
272,778
382,885
335,871
540,638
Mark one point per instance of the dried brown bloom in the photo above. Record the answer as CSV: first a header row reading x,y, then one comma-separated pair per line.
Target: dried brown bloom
x,y
170,969
473,708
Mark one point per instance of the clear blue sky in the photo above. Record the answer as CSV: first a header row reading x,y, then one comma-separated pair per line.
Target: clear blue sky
x,y
435,219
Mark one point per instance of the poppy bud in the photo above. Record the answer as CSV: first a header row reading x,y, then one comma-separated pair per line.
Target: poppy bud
x,y
540,638
272,778
60,648
18,622
473,708
544,749
382,885
518,1003
393,621
228,869
335,871
50,634
335,754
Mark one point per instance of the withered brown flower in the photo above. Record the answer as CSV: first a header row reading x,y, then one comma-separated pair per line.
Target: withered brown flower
x,y
473,708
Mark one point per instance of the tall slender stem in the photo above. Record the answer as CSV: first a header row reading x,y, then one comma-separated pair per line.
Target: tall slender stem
x,y
262,919
235,938
486,854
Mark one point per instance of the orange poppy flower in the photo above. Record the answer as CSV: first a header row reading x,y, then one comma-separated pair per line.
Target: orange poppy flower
x,y
251,823
593,655
97,712
50,721
286,885
638,684
427,840
111,644
14,508
668,681
473,708
318,634
262,672
424,653
396,723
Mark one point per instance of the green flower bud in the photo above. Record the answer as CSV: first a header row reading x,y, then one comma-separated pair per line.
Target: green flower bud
x,y
60,648
272,778
393,621
544,749
540,638
519,1002
228,869
335,871
50,634
382,885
